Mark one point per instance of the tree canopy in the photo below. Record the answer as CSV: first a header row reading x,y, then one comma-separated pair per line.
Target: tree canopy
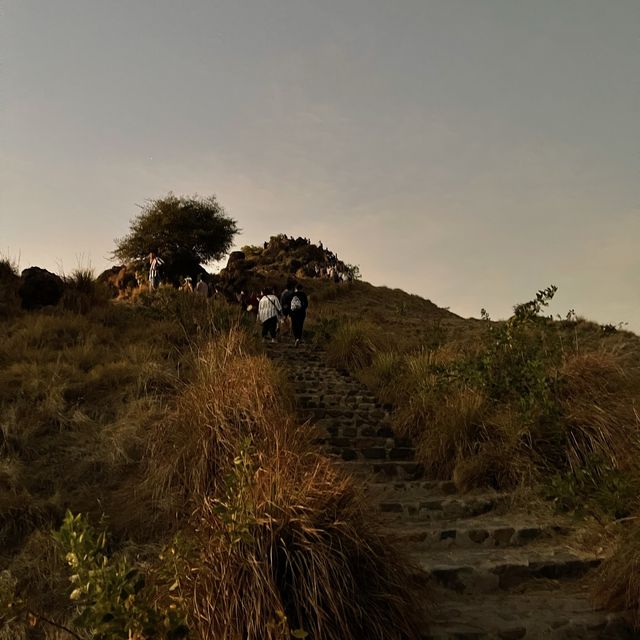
x,y
184,231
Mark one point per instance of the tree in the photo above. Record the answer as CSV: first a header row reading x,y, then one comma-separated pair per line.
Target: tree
x,y
184,232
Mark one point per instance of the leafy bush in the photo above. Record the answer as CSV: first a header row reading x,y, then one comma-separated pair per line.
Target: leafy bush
x,y
112,597
522,402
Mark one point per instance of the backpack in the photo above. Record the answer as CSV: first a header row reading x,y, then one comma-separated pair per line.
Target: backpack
x,y
296,304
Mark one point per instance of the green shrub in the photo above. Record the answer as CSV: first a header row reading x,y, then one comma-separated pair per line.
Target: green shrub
x,y
112,597
520,403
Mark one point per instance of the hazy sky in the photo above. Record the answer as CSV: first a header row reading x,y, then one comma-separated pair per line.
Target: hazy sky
x,y
470,151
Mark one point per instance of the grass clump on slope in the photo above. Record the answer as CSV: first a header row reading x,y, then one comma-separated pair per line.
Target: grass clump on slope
x,y
526,401
164,417
285,547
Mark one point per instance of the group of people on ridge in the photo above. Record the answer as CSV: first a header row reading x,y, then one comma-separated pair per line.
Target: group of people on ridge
x,y
291,308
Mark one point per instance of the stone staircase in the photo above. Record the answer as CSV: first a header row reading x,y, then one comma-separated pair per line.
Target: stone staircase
x,y
496,571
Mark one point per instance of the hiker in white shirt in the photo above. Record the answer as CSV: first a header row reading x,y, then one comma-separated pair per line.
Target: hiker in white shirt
x,y
155,262
202,288
269,312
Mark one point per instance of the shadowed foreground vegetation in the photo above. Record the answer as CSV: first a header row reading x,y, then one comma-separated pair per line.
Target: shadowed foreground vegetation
x,y
204,510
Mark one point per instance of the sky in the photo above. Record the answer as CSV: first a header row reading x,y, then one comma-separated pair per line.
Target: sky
x,y
469,151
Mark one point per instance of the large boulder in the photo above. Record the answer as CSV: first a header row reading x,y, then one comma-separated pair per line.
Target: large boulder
x,y
234,257
118,279
40,288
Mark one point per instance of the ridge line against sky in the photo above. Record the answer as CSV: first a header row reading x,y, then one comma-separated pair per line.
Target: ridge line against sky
x,y
469,151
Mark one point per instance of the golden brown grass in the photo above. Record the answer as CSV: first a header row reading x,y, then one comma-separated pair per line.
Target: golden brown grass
x,y
599,392
77,395
353,345
82,292
561,397
166,425
284,541
617,584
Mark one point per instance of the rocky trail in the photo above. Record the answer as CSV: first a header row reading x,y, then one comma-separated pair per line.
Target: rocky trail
x,y
496,570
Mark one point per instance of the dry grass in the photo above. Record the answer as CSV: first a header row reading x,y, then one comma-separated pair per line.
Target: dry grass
x,y
562,397
617,585
353,345
82,292
9,283
284,541
599,392
165,425
77,395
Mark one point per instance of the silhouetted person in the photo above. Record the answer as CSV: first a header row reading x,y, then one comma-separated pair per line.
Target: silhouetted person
x,y
299,304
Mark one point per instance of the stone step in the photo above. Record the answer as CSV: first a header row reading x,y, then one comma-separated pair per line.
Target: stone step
x,y
383,469
410,489
481,531
486,570
554,614
371,453
353,441
341,415
438,507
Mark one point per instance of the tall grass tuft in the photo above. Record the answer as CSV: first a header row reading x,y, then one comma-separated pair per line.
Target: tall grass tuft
x,y
285,544
617,584
82,292
9,284
353,345
598,392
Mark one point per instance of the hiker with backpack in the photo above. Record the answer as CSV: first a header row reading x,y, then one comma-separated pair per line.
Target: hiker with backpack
x,y
269,312
298,305
285,302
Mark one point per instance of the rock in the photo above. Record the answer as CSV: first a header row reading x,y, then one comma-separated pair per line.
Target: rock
x,y
40,288
235,256
118,279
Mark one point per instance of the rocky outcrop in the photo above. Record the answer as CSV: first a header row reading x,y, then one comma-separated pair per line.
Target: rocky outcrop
x,y
234,257
40,288
118,279
276,261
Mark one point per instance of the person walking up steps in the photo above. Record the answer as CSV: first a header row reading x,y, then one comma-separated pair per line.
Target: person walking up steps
x,y
299,304
285,301
269,312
